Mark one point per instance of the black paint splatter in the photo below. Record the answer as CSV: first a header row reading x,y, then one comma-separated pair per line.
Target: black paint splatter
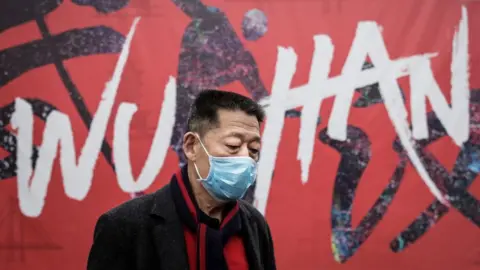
x,y
52,49
370,94
8,140
211,55
355,155
454,185
15,61
104,6
17,12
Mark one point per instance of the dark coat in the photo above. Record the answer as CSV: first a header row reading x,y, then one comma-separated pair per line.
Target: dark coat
x,y
146,234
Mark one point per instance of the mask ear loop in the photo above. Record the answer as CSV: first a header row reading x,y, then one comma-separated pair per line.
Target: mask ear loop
x,y
208,154
203,146
198,172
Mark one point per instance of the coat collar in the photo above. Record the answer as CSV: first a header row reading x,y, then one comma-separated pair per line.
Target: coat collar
x,y
163,205
251,238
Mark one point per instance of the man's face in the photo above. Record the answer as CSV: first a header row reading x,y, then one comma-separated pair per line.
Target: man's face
x,y
237,134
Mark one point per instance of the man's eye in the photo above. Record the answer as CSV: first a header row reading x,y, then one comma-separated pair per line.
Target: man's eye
x,y
254,151
232,147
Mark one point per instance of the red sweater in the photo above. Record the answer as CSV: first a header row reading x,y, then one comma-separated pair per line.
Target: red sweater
x,y
234,252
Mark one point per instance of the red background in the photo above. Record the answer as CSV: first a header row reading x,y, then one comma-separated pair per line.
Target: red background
x,y
299,215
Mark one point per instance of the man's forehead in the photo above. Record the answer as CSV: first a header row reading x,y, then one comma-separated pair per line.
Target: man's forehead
x,y
237,119
244,135
248,134
236,124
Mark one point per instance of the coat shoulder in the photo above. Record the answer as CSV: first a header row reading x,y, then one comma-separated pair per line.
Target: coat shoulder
x,y
136,210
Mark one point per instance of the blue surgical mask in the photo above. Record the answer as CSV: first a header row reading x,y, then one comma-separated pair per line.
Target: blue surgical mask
x,y
229,177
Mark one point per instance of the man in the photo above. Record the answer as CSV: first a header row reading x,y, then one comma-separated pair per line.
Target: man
x,y
197,221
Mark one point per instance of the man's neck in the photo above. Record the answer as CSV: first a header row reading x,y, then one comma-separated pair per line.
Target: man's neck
x,y
205,202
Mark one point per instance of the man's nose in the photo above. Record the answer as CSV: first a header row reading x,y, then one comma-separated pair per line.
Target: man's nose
x,y
244,152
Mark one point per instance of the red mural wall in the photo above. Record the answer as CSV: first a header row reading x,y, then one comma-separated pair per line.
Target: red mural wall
x,y
364,203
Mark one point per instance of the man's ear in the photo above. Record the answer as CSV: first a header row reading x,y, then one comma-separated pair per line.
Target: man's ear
x,y
190,146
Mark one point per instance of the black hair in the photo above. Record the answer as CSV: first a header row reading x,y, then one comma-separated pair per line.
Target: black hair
x,y
204,111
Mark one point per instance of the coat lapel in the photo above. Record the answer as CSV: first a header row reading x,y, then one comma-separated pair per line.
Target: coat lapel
x,y
252,247
168,232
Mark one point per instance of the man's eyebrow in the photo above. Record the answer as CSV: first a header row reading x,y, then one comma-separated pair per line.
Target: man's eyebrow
x,y
257,139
